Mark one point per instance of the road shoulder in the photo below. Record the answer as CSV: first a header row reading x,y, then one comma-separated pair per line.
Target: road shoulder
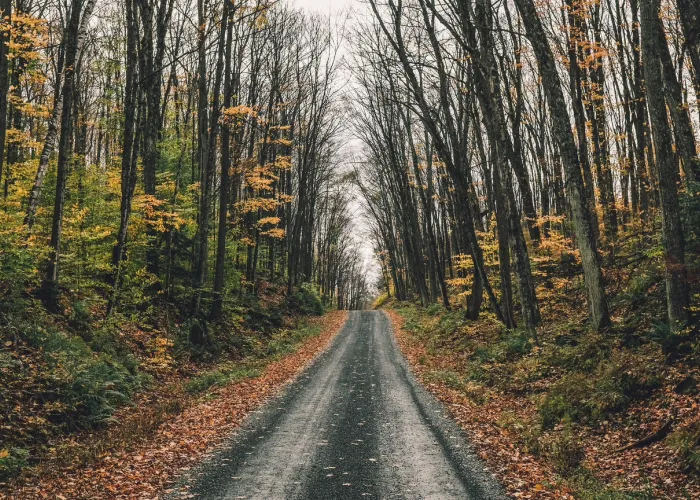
x,y
483,435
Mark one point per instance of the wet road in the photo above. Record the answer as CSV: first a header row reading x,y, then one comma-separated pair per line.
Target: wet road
x,y
355,425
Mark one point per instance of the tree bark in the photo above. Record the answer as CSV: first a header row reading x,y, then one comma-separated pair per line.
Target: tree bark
x,y
129,151
677,299
593,277
5,25
219,273
50,281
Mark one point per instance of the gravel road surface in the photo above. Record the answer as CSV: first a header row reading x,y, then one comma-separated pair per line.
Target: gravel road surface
x,y
356,424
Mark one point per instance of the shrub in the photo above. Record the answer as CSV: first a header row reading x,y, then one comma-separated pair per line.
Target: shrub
x,y
672,341
81,317
637,290
263,320
565,452
434,309
569,398
12,461
305,300
578,396
286,341
516,343
584,354
89,385
512,344
686,441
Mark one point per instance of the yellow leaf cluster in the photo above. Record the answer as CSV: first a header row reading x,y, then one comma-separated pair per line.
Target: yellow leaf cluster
x,y
276,233
268,221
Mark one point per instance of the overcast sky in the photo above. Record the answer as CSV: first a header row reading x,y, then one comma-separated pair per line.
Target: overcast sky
x,y
332,7
324,6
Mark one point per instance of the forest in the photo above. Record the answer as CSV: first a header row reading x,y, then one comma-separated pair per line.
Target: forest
x,y
169,180
529,173
189,187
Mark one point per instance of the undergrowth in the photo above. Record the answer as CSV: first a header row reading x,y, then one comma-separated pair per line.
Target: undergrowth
x,y
62,374
575,381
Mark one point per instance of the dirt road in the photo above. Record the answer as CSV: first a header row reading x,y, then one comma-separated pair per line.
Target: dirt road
x,y
355,425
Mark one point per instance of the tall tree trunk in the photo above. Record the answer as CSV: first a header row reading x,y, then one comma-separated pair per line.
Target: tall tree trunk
x,y
5,25
640,114
219,273
151,56
502,228
129,151
673,241
208,128
488,88
50,281
585,239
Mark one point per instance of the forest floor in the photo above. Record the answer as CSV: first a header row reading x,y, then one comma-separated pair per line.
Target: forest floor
x,y
168,428
591,418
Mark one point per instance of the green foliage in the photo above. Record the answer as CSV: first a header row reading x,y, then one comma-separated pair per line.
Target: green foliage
x,y
568,398
286,341
434,309
88,385
565,452
264,320
305,300
222,376
671,340
512,344
281,343
12,461
686,441
638,287
19,259
588,397
584,353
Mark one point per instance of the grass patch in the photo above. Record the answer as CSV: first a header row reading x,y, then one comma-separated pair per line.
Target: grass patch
x,y
222,376
686,441
287,342
586,397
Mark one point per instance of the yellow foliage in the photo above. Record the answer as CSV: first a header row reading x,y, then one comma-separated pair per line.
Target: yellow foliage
x,y
158,219
268,221
255,204
276,233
